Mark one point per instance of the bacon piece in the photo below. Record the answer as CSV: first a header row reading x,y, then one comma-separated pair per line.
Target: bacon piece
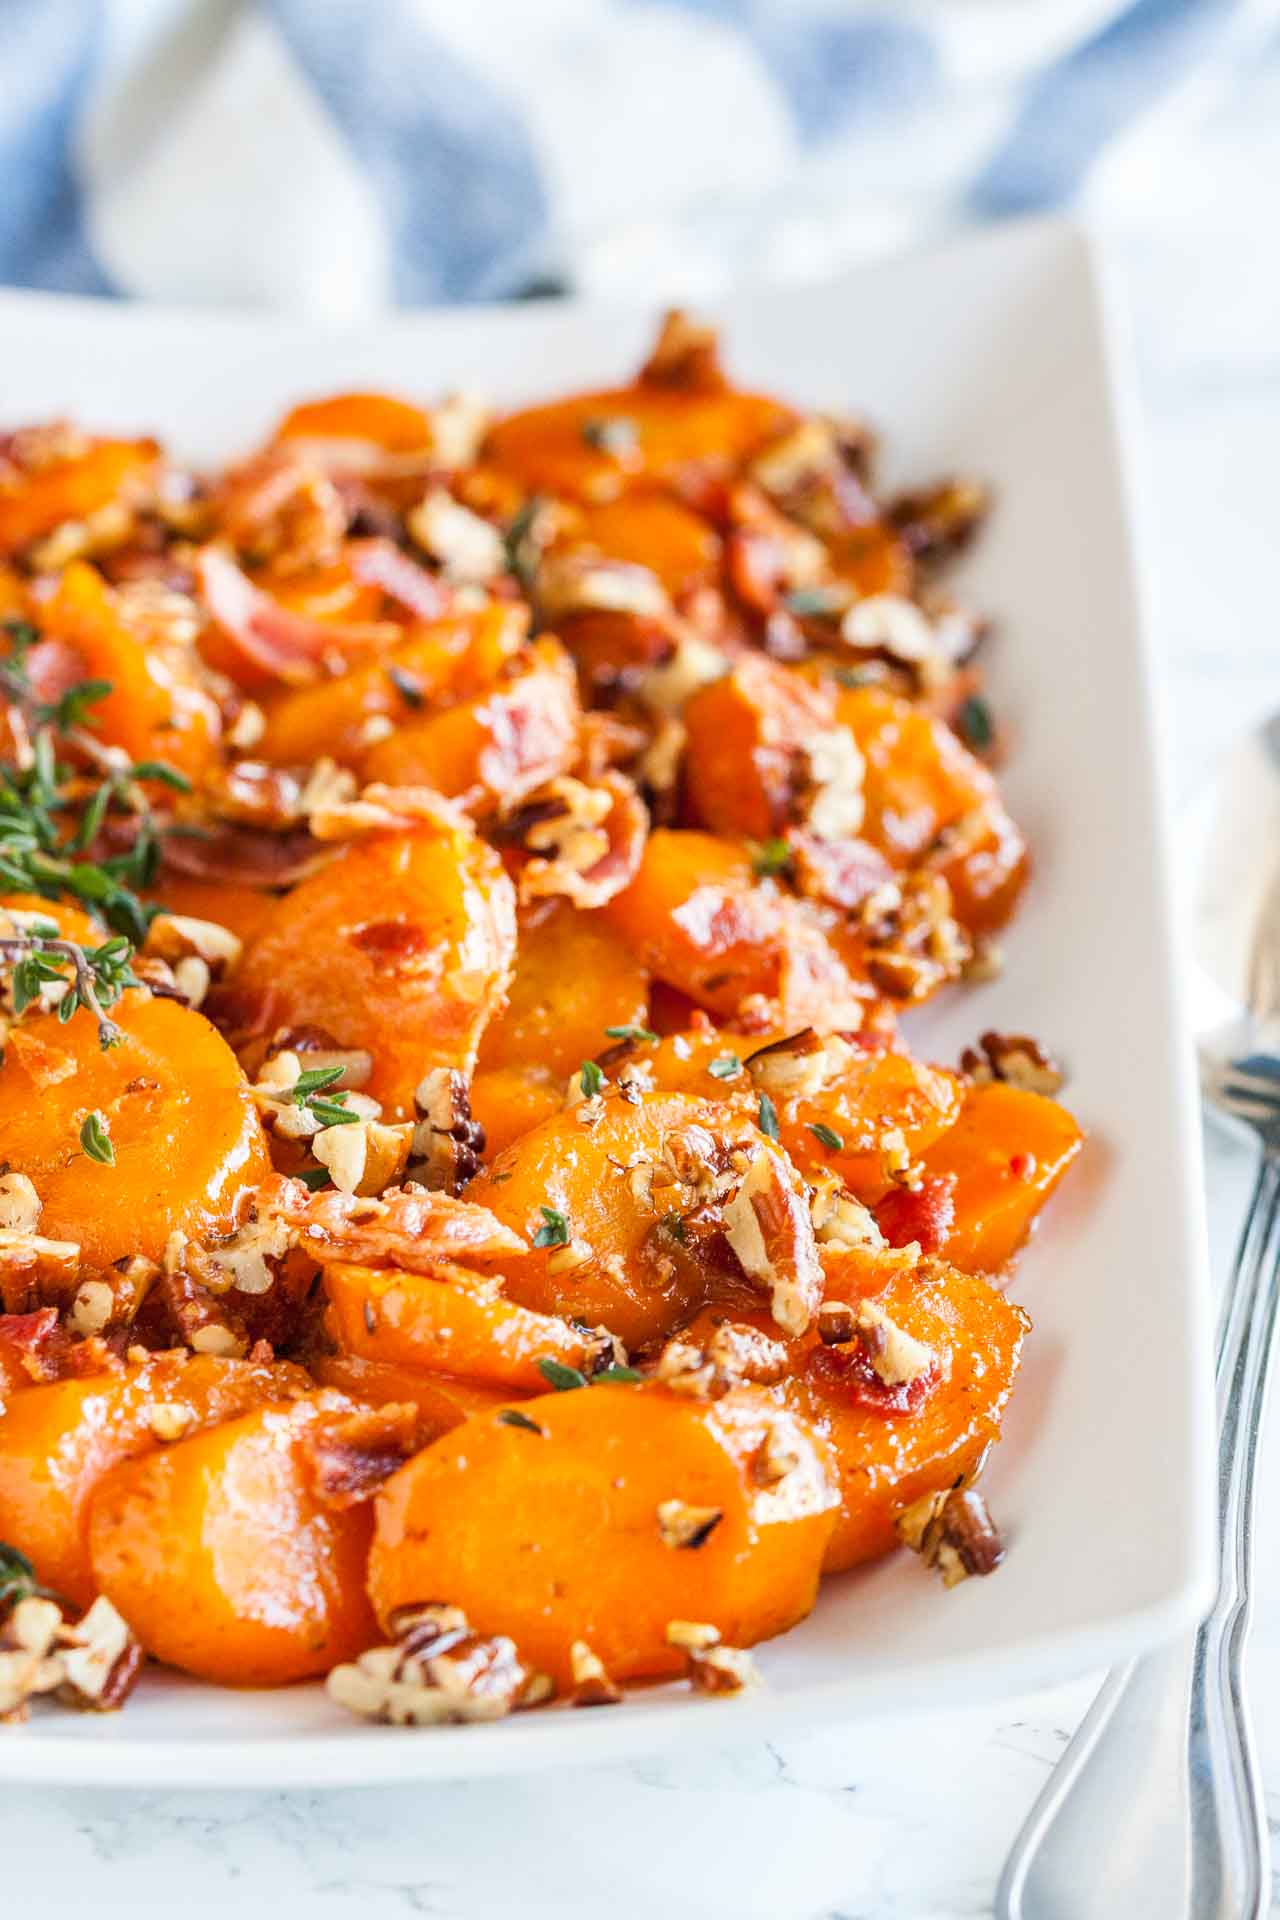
x,y
924,1214
350,1455
267,636
406,1227
381,563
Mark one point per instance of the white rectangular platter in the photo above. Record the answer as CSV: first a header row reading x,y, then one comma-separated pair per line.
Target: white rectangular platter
x,y
990,356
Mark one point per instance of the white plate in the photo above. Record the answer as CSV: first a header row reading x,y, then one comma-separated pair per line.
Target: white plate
x,y
989,356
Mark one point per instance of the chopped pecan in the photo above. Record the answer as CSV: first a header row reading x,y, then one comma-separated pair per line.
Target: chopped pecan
x,y
895,1355
801,1063
887,623
938,522
680,1525
379,808
768,1227
592,1686
585,841
1016,1059
733,1356
712,1667
466,546
839,1220
447,1142
366,1157
92,1662
691,663
952,1530
579,581
31,1266
437,1671
685,356
915,942
350,1455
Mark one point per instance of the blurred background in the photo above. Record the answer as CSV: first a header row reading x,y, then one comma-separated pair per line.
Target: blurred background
x,y
337,157
340,155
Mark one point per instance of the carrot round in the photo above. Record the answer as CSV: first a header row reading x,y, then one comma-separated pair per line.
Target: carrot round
x,y
57,1442
605,1253
574,1531
402,947
225,1560
186,1138
700,920
575,977
1004,1156
458,1325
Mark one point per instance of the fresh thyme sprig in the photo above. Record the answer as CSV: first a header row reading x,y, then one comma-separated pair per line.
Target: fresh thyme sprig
x,y
309,1091
98,975
40,798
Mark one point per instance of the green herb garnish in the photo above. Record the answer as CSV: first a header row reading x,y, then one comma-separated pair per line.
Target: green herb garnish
x,y
554,1231
816,603
640,1034
770,857
827,1135
724,1067
590,1078
17,1578
768,1117
563,1379
511,1417
308,1090
616,1376
975,723
96,1140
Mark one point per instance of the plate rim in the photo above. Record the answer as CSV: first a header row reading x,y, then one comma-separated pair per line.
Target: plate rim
x,y
344,1756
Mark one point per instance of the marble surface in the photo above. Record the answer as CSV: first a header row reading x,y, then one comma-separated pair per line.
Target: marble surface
x,y
905,1820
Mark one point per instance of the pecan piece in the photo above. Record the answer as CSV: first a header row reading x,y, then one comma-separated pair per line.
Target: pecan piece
x,y
1016,1059
768,1227
953,1531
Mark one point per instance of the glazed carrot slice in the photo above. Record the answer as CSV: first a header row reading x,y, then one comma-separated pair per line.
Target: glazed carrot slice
x,y
560,448
186,1137
402,946
57,1442
34,503
157,708
225,1559
457,1323
490,751
621,1508
701,921
443,1401
341,717
575,977
891,1446
509,1101
1006,1153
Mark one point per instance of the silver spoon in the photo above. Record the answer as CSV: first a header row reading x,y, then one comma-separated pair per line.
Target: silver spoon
x,y
1155,1810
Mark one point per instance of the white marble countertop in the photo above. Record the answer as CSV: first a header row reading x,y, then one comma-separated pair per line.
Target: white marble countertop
x,y
896,1821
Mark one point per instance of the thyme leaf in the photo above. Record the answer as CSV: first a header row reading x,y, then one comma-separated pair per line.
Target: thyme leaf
x,y
554,1231
96,1139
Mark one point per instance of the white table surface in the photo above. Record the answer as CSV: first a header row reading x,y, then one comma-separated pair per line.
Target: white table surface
x,y
906,1820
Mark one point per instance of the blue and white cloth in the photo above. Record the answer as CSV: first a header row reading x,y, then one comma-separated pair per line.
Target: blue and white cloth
x,y
338,156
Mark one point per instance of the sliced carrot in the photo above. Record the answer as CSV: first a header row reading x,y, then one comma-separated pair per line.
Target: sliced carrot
x,y
561,1531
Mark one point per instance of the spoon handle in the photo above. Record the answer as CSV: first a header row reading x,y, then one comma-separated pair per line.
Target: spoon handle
x,y
1156,1806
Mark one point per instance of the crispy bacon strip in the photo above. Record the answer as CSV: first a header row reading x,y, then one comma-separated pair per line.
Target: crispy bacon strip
x,y
381,563
289,646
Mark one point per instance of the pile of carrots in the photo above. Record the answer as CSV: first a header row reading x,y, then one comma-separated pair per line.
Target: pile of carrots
x,y
471,1222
